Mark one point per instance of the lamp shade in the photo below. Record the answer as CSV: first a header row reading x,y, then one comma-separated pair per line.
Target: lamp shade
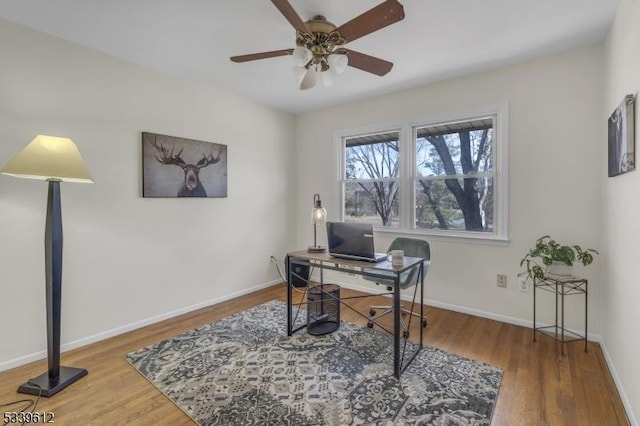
x,y
318,214
49,158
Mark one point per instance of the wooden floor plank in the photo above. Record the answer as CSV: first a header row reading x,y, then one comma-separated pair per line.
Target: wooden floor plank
x,y
539,387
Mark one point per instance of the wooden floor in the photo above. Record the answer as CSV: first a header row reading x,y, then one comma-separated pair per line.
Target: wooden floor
x,y
540,387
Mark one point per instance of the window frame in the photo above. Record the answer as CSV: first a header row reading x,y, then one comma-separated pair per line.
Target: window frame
x,y
400,179
407,130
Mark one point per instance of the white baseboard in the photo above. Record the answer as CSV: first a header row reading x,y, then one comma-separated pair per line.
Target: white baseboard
x,y
633,420
469,311
449,307
36,356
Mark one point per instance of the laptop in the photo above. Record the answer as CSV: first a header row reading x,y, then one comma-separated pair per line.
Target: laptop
x,y
352,241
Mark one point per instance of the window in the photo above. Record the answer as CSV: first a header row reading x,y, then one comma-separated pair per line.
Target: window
x,y
445,178
454,176
372,179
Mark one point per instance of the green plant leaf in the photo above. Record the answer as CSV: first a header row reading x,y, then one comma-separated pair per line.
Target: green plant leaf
x,y
547,250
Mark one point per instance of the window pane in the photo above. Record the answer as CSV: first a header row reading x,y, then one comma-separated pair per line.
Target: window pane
x,y
372,157
451,166
455,149
371,202
455,204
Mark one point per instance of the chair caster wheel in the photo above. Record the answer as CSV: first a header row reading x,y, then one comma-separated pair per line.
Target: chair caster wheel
x,y
424,322
405,334
372,312
370,324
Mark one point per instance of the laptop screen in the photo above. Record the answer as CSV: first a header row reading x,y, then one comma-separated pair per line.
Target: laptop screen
x,y
350,239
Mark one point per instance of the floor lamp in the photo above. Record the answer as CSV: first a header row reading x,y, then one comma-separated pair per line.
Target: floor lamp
x,y
55,160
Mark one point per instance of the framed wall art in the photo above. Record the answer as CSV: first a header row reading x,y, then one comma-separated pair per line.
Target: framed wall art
x,y
622,133
179,167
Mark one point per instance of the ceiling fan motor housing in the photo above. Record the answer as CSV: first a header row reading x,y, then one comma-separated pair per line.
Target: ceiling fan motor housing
x,y
319,24
321,40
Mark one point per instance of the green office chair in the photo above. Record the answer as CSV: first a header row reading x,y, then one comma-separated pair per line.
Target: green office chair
x,y
412,247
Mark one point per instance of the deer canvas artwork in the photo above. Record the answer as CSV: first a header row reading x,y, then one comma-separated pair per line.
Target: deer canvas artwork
x,y
179,167
622,137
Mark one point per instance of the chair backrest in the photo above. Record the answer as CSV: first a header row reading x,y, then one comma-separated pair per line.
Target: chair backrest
x,y
412,247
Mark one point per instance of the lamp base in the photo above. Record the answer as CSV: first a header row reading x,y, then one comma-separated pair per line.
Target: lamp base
x,y
317,249
42,386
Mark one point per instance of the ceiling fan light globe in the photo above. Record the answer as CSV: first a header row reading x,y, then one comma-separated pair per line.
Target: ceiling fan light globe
x,y
310,78
301,55
338,62
328,77
298,74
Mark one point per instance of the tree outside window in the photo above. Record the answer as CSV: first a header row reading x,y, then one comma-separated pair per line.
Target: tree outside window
x,y
442,179
371,179
454,176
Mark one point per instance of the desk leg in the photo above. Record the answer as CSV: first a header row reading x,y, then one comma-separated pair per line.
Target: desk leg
x,y
534,310
422,317
556,323
586,304
562,323
396,327
289,296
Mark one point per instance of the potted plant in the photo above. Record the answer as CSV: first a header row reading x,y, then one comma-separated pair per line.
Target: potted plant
x,y
548,257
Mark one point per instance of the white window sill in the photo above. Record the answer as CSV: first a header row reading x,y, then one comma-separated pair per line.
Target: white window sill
x,y
448,236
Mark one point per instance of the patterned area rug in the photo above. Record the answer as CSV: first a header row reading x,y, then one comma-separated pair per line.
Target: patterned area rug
x,y
245,370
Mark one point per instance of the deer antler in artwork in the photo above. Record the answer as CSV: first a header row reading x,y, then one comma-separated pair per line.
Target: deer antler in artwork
x,y
191,187
168,157
206,160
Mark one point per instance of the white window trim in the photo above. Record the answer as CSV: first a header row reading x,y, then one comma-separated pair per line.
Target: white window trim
x,y
406,210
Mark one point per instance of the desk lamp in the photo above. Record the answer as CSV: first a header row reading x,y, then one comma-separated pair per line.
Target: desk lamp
x,y
318,217
55,160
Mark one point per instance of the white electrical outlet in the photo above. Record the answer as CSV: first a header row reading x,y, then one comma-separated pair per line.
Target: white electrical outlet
x,y
502,280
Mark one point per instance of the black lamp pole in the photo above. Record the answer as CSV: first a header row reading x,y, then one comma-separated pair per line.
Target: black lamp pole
x,y
315,244
57,378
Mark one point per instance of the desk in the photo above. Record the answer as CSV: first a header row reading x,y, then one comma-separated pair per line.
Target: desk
x,y
561,287
323,261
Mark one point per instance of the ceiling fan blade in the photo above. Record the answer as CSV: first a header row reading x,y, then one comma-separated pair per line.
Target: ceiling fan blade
x,y
261,55
290,13
384,14
367,63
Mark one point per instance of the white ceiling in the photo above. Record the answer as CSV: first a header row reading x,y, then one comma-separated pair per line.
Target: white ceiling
x,y
438,39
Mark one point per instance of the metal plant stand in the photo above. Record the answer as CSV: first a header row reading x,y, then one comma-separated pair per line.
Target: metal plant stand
x,y
561,287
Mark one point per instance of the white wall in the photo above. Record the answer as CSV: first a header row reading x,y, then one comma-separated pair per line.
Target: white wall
x,y
128,259
555,138
621,213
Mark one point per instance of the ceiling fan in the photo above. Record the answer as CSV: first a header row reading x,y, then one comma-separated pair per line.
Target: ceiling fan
x,y
319,43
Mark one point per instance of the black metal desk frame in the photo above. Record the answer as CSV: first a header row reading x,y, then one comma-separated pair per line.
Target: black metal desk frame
x,y
323,261
561,287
